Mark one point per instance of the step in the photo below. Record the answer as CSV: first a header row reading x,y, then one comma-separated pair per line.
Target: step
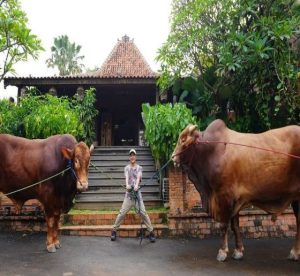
x,y
121,149
120,176
110,197
105,189
113,203
160,230
120,183
108,218
119,163
118,191
100,224
124,158
104,167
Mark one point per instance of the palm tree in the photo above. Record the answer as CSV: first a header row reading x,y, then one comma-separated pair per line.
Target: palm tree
x,y
65,56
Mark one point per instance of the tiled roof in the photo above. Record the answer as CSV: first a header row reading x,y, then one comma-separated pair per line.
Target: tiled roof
x,y
124,61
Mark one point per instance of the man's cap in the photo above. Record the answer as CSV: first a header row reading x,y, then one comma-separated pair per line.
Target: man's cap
x,y
132,151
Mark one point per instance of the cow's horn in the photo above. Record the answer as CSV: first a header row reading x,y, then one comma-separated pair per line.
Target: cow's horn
x,y
192,128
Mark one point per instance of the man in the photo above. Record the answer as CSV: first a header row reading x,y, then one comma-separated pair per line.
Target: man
x,y
133,195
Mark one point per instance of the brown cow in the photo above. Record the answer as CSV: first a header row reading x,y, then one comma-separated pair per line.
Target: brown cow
x,y
230,177
24,162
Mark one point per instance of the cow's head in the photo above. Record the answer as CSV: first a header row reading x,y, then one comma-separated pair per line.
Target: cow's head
x,y
80,156
183,149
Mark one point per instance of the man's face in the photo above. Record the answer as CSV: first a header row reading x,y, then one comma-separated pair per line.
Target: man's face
x,y
132,158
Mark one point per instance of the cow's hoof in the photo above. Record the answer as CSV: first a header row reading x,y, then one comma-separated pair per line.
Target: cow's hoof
x,y
237,254
222,255
51,248
293,256
58,245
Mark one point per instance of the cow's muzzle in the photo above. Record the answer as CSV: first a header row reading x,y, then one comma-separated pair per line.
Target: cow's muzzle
x,y
175,160
82,186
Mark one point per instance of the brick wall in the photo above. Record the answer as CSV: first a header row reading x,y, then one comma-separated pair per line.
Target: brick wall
x,y
23,223
182,193
186,220
30,206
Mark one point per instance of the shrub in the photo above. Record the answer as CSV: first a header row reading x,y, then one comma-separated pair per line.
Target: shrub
x,y
84,106
52,116
163,124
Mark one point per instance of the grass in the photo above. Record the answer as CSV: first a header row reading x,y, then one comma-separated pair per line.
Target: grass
x,y
114,210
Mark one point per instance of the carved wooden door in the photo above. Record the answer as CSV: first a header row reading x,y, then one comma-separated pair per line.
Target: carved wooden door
x,y
106,129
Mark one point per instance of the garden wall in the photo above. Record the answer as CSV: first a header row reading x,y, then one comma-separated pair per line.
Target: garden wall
x,y
30,220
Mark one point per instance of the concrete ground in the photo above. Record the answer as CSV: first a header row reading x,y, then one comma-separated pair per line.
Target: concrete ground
x,y
26,255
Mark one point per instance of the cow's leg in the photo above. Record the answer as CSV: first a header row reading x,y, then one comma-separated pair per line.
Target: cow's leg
x,y
52,232
222,254
239,248
295,252
56,232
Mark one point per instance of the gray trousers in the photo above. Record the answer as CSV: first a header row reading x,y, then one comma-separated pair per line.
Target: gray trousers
x,y
128,203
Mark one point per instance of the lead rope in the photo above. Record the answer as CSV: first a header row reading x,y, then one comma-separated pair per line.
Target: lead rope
x,y
37,183
254,147
234,144
134,195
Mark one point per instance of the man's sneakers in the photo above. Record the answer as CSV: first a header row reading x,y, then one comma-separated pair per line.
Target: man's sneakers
x,y
152,236
113,235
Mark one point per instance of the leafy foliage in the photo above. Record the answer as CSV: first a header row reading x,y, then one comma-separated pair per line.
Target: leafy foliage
x,y
242,55
17,42
84,106
39,116
163,123
65,56
7,119
12,116
52,116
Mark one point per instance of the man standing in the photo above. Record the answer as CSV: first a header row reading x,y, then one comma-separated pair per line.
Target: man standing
x,y
133,177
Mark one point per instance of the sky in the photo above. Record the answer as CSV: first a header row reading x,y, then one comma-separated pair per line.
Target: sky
x,y
96,25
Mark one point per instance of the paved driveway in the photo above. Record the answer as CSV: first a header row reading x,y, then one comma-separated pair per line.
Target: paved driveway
x,y
26,255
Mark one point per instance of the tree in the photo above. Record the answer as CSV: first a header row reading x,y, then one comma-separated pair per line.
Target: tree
x,y
17,42
239,54
65,56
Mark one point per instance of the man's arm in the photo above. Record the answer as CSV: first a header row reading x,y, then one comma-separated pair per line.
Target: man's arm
x,y
128,187
138,179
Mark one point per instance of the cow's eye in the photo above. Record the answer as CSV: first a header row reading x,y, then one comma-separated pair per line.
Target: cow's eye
x,y
76,163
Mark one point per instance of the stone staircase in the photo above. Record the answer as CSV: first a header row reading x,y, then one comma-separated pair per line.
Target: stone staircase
x,y
106,180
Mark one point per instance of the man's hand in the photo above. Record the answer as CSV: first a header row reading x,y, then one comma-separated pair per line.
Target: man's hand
x,y
128,188
136,188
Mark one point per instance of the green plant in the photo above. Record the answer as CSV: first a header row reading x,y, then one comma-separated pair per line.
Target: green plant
x,y
52,116
7,120
244,54
163,123
12,116
84,105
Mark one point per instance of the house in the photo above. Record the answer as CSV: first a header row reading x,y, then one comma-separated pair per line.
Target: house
x,y
123,83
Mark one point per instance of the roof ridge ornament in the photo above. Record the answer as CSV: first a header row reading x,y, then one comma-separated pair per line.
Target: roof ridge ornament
x,y
125,38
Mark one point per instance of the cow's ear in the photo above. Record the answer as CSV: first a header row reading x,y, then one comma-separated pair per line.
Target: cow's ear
x,y
92,148
67,153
